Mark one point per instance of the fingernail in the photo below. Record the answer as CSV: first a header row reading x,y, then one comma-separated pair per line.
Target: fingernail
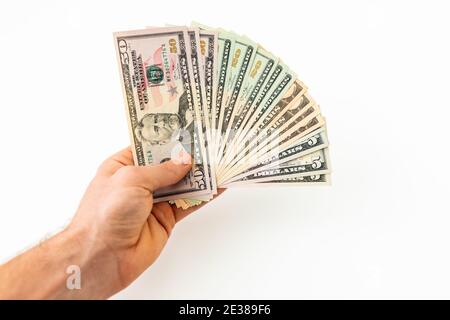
x,y
182,158
187,159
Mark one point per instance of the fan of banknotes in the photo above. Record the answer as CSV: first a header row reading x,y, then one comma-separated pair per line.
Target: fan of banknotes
x,y
238,110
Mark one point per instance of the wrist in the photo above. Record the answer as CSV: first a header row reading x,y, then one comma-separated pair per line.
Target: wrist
x,y
96,264
71,265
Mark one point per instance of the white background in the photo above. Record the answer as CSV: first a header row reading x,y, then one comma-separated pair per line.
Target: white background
x,y
379,70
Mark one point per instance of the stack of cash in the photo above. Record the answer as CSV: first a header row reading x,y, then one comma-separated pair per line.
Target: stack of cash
x,y
241,113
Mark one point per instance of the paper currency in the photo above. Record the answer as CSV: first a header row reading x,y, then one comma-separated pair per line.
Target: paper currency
x,y
238,110
307,165
157,79
312,142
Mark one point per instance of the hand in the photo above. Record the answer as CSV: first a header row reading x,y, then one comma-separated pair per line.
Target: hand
x,y
115,235
117,215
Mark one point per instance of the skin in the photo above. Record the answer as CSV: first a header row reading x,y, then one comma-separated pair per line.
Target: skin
x,y
115,235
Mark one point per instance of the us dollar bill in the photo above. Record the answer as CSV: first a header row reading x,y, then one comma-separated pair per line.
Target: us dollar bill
x,y
300,130
313,180
304,109
225,45
198,88
267,103
310,143
314,163
294,133
261,90
208,55
260,70
243,56
292,103
310,123
300,111
203,54
156,75
273,90
257,90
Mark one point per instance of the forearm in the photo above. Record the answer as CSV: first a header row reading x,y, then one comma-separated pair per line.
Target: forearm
x,y
50,270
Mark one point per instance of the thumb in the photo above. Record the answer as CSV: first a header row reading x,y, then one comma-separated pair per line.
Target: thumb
x,y
163,175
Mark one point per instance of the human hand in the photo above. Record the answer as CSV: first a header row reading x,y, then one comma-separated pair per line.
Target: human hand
x,y
116,234
117,222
